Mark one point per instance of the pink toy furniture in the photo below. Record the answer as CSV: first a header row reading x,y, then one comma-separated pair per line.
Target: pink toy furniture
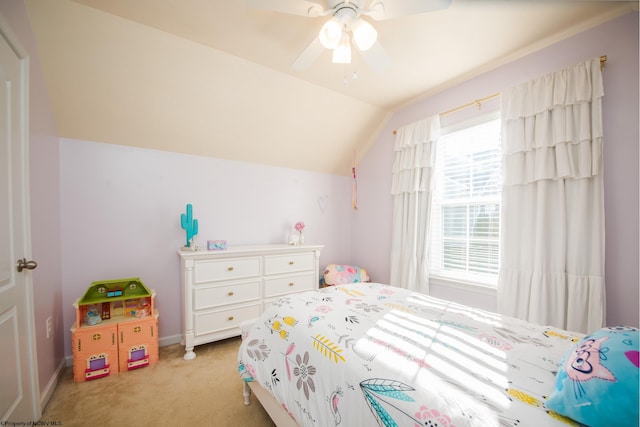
x,y
116,329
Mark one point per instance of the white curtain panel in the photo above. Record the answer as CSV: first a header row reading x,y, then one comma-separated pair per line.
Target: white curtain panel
x,y
552,250
413,165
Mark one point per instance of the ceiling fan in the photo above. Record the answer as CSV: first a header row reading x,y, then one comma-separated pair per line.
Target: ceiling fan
x,y
347,26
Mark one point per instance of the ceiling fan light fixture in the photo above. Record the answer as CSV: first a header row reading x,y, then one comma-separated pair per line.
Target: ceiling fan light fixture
x,y
364,35
342,52
331,33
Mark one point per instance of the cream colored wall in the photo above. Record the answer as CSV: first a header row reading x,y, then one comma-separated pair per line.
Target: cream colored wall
x,y
112,80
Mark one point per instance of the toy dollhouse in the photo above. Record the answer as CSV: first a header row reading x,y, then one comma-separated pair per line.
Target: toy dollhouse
x,y
116,329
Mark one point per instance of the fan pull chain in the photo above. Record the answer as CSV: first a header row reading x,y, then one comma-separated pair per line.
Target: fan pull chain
x,y
345,79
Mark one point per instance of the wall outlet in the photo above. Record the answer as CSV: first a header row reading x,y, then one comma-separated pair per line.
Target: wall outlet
x,y
49,326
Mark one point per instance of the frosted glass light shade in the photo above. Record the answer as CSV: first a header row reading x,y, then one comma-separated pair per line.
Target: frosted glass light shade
x,y
364,35
342,52
330,33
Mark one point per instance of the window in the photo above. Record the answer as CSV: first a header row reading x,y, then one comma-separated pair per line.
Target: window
x,y
465,214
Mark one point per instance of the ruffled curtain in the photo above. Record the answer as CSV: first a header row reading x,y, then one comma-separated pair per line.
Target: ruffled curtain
x,y
414,160
552,251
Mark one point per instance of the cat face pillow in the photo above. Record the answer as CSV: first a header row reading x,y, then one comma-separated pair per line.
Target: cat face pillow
x,y
597,380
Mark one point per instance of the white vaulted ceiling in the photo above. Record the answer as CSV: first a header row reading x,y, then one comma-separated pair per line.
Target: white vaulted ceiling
x,y
213,78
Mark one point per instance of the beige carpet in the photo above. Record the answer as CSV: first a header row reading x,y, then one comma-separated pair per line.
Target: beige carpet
x,y
206,391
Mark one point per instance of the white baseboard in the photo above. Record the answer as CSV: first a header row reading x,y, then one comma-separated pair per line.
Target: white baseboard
x,y
53,382
165,341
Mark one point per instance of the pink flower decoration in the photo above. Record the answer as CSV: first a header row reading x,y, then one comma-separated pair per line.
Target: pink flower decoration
x,y
323,309
299,226
427,416
251,369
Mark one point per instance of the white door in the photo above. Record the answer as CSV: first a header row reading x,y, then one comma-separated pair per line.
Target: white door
x,y
19,394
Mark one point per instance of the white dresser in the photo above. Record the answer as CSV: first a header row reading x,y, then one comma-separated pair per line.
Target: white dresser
x,y
222,289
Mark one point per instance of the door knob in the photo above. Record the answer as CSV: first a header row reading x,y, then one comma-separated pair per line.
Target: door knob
x,y
23,263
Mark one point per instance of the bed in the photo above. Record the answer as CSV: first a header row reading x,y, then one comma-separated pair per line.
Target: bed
x,y
368,354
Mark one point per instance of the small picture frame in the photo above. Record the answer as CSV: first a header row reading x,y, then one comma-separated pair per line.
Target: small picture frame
x,y
216,245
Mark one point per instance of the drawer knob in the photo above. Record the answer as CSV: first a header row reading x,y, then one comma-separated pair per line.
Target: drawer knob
x,y
230,268
230,318
230,294
290,262
291,284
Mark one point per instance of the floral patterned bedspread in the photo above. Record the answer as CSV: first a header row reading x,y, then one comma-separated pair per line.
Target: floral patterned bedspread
x,y
368,354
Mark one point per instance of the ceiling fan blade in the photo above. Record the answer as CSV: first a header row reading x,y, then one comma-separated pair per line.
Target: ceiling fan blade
x,y
308,55
376,57
389,9
293,7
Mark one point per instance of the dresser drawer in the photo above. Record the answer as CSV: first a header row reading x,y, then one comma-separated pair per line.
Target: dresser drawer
x,y
214,321
214,296
223,289
226,269
276,264
286,285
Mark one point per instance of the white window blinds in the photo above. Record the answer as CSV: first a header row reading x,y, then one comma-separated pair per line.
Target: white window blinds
x,y
465,222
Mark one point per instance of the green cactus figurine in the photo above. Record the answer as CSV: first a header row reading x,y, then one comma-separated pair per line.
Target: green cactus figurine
x,y
189,224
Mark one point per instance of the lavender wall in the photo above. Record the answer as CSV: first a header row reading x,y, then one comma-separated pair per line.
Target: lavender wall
x,y
45,205
121,211
618,39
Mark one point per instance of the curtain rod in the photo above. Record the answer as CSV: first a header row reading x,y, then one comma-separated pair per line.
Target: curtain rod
x,y
479,101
